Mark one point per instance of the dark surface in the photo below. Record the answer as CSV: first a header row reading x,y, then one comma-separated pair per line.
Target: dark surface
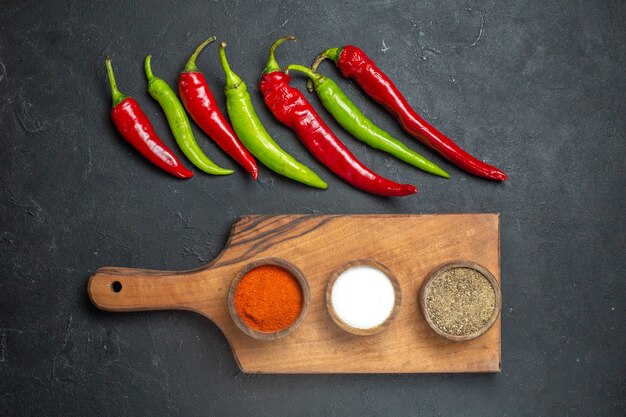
x,y
534,87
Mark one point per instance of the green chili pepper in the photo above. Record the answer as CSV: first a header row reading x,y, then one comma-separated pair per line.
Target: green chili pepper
x,y
358,125
253,135
179,123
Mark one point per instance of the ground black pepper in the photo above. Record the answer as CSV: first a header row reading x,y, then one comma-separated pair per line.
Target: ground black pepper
x,y
460,301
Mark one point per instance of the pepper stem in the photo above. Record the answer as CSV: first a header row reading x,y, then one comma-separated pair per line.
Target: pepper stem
x,y
147,68
314,77
115,93
232,79
272,65
190,66
330,53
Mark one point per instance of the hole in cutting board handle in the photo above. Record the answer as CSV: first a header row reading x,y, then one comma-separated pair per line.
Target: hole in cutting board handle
x,y
116,286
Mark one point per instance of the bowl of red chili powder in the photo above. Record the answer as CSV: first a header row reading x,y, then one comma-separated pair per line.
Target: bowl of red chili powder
x,y
268,299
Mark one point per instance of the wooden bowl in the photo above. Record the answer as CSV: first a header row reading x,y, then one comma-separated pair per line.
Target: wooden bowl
x,y
306,298
397,297
461,264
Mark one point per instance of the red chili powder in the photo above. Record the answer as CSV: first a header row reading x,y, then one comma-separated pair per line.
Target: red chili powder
x,y
268,298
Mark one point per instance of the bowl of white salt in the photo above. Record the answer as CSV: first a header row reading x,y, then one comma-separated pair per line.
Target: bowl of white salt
x,y
363,297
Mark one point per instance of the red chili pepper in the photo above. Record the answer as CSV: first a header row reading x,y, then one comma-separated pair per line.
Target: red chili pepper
x,y
292,109
354,63
134,126
201,105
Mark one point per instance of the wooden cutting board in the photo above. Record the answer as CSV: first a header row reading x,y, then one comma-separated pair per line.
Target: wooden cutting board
x,y
409,245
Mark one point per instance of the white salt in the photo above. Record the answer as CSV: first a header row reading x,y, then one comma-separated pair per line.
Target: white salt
x,y
363,297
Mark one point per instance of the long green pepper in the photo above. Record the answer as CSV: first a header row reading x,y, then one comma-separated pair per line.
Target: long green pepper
x,y
253,135
179,123
348,115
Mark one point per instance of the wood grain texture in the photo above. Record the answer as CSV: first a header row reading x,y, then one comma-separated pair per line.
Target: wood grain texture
x,y
409,245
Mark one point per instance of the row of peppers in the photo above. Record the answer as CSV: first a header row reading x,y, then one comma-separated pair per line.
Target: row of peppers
x,y
248,137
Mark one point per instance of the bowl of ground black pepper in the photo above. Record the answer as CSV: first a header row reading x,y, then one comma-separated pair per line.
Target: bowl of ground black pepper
x,y
268,299
460,300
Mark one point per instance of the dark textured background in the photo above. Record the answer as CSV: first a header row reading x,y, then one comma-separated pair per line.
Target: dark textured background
x,y
535,87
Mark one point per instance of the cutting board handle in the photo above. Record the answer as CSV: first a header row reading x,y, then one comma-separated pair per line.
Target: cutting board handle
x,y
129,289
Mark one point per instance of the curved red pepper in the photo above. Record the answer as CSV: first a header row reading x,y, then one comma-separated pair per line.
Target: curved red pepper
x,y
202,106
134,126
136,129
292,109
354,63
